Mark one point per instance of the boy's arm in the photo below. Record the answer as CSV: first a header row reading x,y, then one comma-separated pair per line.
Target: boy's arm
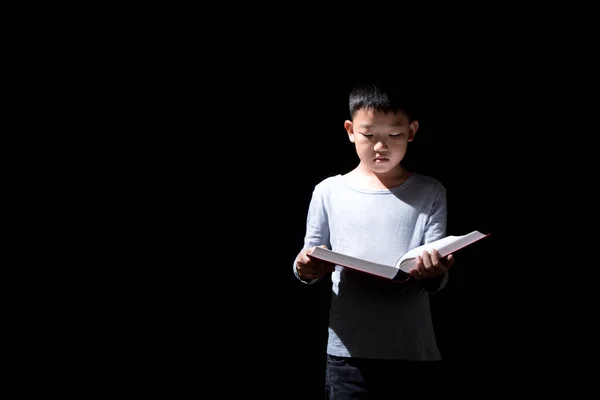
x,y
317,228
436,229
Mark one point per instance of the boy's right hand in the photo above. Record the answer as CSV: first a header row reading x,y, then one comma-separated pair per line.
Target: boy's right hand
x,y
310,268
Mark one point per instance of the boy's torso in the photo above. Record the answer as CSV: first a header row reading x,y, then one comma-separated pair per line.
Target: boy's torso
x,y
372,316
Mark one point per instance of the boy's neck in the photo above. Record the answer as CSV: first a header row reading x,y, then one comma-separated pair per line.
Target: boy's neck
x,y
366,178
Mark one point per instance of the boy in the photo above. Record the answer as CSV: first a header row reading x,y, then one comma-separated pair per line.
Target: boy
x,y
380,332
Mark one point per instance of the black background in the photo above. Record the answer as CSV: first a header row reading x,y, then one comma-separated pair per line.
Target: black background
x,y
203,153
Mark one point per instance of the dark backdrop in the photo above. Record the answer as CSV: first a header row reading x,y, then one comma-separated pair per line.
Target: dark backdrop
x,y
209,150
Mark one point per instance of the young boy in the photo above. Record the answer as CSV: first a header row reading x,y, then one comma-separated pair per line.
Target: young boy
x,y
381,335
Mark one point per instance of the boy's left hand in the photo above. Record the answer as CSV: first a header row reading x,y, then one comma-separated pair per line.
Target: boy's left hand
x,y
431,265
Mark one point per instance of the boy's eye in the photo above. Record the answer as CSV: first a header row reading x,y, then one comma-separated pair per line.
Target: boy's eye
x,y
394,135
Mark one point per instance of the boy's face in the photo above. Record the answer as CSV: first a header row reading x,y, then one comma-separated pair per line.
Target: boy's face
x,y
381,139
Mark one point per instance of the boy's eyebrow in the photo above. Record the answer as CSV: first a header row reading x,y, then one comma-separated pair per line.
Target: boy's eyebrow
x,y
367,126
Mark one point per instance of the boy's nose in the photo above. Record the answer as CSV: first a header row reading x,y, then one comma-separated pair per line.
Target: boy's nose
x,y
379,146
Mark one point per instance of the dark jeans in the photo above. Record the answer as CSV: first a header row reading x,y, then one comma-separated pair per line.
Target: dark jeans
x,y
360,378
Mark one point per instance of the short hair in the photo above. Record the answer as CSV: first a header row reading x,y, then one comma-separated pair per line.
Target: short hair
x,y
384,97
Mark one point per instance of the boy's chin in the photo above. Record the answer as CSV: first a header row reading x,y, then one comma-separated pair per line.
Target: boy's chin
x,y
382,168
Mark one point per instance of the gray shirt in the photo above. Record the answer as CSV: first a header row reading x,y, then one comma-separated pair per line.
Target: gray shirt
x,y
372,316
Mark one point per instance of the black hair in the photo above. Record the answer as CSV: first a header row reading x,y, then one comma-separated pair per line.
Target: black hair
x,y
383,97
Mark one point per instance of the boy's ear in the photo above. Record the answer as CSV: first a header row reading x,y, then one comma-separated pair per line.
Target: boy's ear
x,y
350,129
412,130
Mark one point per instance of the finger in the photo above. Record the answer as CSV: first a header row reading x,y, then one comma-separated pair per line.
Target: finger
x,y
414,273
314,268
435,257
428,267
308,277
311,249
328,267
325,267
306,271
437,267
439,264
320,265
449,260
419,270
426,259
304,265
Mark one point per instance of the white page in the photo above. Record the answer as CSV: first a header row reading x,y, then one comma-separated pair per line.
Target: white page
x,y
444,246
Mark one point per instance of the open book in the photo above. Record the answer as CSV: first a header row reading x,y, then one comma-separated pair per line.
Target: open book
x,y
408,261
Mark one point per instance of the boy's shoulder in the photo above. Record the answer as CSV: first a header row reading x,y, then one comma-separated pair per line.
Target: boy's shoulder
x,y
328,182
428,180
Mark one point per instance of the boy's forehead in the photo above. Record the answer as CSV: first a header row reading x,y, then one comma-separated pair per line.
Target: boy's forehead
x,y
370,117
